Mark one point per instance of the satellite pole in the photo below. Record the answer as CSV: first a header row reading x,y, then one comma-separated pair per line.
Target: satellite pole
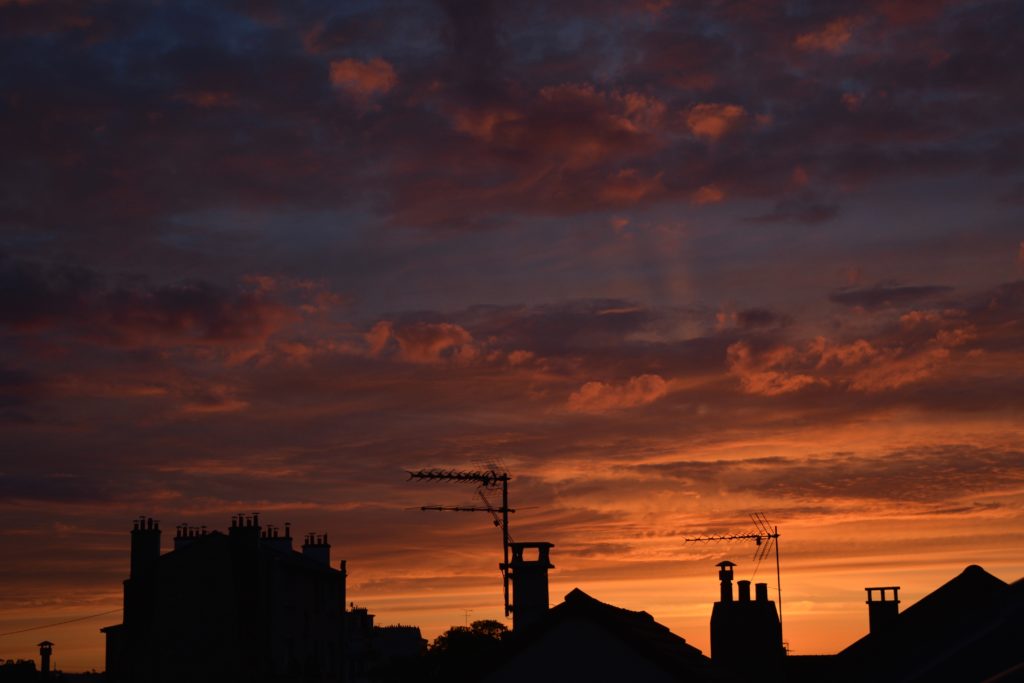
x,y
486,480
766,537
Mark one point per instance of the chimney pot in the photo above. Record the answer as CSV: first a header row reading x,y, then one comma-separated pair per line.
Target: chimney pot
x,y
882,613
725,576
761,592
743,588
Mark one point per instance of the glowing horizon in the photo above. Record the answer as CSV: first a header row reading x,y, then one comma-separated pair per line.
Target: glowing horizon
x,y
668,264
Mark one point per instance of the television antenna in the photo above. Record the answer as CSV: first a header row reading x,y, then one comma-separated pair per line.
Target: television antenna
x,y
766,537
488,480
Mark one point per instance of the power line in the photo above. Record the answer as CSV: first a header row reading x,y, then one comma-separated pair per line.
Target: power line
x,y
60,623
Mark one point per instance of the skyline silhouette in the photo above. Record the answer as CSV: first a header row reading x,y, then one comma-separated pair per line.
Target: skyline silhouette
x,y
745,644
668,263
249,605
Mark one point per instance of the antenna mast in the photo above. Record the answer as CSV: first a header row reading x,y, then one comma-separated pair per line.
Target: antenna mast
x,y
486,480
767,536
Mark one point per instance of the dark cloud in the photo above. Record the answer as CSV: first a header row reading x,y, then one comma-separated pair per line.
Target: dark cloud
x,y
82,300
931,475
887,296
55,488
759,317
800,211
36,295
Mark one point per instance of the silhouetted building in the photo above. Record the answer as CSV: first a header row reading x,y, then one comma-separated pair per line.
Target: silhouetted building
x,y
359,636
397,641
970,629
241,606
45,652
746,635
529,583
18,671
373,650
583,639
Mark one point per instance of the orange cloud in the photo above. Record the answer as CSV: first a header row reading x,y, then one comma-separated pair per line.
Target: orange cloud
x,y
895,370
628,187
218,398
207,99
422,342
482,123
707,194
831,38
763,374
852,101
378,337
363,80
863,366
598,397
713,120
844,355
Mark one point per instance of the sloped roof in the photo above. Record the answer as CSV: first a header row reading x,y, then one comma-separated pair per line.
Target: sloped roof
x,y
637,630
967,629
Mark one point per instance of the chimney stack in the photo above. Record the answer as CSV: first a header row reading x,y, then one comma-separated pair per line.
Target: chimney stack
x,y
725,576
45,650
145,546
316,548
882,612
185,535
746,635
245,530
529,583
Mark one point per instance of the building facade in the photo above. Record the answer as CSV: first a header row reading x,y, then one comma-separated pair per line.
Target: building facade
x,y
240,606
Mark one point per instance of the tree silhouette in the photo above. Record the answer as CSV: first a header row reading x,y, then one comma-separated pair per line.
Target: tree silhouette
x,y
461,653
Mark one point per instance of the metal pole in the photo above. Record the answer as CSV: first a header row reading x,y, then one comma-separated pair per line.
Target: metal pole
x,y
778,579
504,535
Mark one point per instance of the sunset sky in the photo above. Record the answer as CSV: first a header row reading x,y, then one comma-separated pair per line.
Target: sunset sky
x,y
669,263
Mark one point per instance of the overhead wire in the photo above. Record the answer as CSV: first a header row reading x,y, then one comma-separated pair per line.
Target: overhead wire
x,y
59,623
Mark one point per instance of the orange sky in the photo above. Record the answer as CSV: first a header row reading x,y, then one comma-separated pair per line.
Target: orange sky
x,y
669,263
